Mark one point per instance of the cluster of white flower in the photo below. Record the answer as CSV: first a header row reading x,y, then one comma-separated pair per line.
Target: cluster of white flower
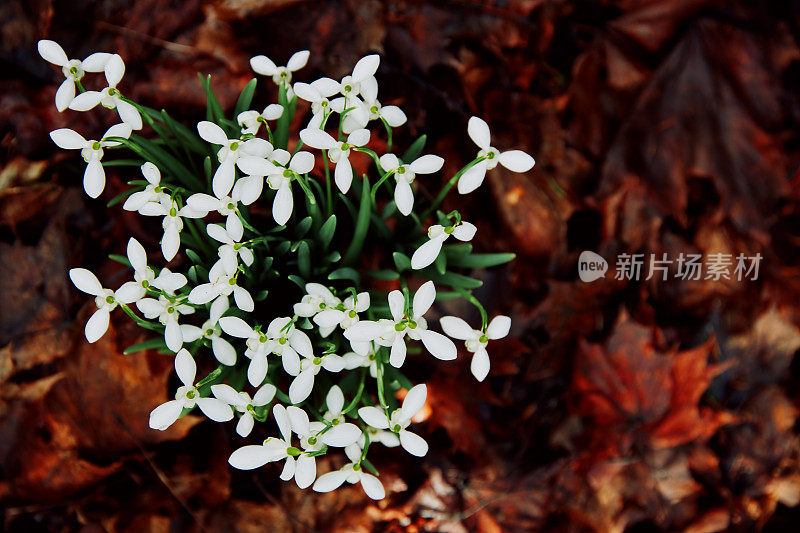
x,y
338,330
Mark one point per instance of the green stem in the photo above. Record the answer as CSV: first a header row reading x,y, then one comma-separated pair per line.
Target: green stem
x,y
447,187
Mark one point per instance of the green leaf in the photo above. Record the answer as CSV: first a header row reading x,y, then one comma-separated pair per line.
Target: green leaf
x,y
345,273
456,251
297,280
481,260
402,261
123,163
121,196
458,281
193,257
326,232
304,260
120,259
187,137
415,149
362,224
440,263
163,160
303,226
384,274
246,98
214,111
211,377
151,344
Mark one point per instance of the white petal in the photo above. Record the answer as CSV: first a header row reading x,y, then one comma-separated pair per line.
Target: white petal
x,y
372,486
249,457
263,65
245,425
282,419
223,351
65,94
456,327
185,367
165,415
341,435
325,86
389,162
317,139
307,92
222,182
170,242
302,385
94,178
427,164
498,327
257,370
343,174
212,133
393,115
136,255
283,204
96,62
330,481
423,298
264,395
117,130
413,443
438,345
306,471
299,420
86,281
426,254
243,299
68,139
328,318
465,231
479,132
374,417
397,355
397,304
129,114
480,364
333,363
302,162
363,330
335,400
414,400
190,333
86,101
52,52
129,292
215,410
472,178
114,70
516,161
404,197
289,469
366,67
97,325
255,166
359,137
298,60
227,394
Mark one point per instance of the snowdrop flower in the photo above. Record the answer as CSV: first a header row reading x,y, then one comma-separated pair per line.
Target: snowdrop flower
x,y
231,251
363,71
344,314
303,384
227,206
73,69
211,330
405,174
222,283
153,192
94,177
368,359
427,253
168,311
353,473
280,75
400,419
317,94
250,121
392,332
318,298
187,397
476,340
288,342
242,402
513,160
110,97
334,402
231,150
280,171
259,346
172,222
106,301
144,277
392,114
338,151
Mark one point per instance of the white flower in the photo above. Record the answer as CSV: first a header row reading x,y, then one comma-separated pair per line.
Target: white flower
x,y
153,192
168,311
172,222
353,473
223,351
317,93
513,160
400,419
405,173
303,384
231,150
280,75
334,402
368,359
105,300
222,283
344,314
427,253
392,114
317,299
187,397
250,121
392,332
144,276
110,97
476,340
258,347
242,402
94,177
73,69
363,71
231,251
338,151
227,206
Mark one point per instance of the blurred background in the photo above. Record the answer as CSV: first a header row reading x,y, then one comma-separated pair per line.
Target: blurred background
x,y
658,126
